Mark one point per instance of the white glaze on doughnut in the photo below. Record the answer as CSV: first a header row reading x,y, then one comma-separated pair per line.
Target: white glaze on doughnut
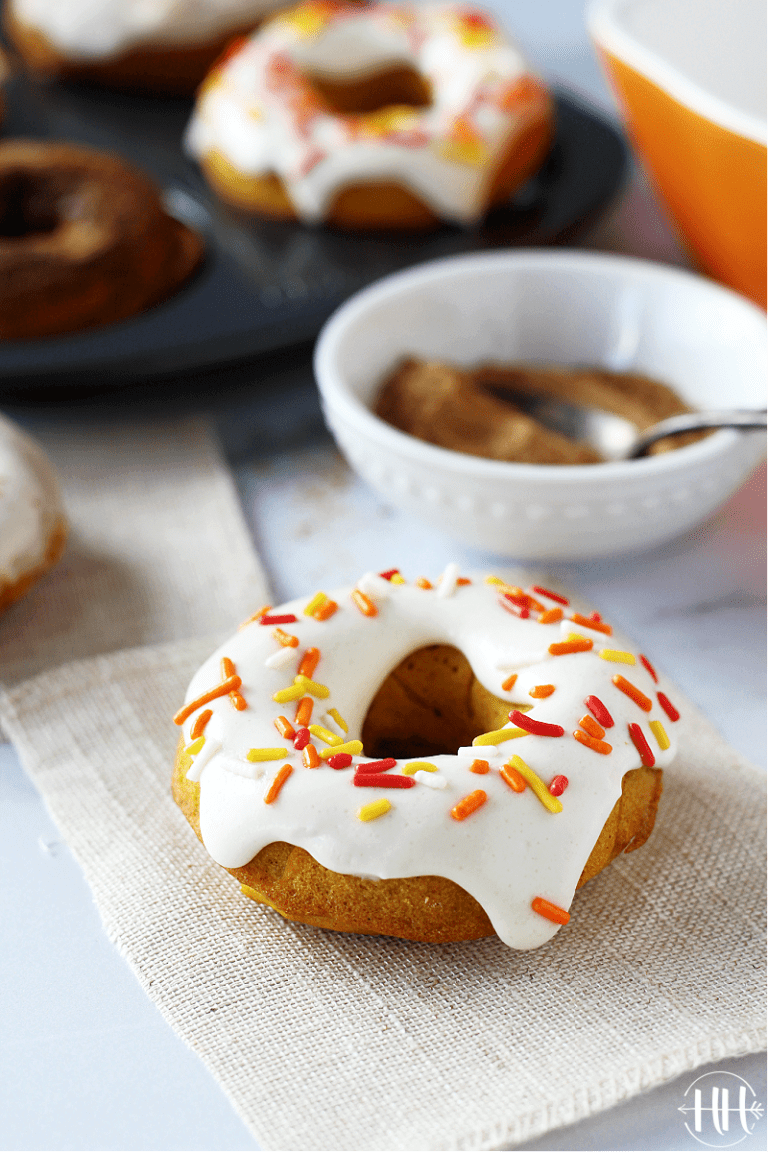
x,y
100,29
259,112
505,854
30,504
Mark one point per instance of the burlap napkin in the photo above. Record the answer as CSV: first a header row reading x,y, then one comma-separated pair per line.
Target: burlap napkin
x,y
158,548
327,1041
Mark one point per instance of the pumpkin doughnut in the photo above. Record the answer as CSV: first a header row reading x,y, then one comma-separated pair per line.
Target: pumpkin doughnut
x,y
84,241
33,530
436,763
158,47
393,116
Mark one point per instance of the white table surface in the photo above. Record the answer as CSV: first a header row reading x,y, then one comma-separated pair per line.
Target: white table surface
x,y
86,1061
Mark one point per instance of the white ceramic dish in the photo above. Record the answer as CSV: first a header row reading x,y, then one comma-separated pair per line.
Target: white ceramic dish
x,y
572,308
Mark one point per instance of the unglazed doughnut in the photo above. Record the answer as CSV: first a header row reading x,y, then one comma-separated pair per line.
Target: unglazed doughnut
x,y
33,529
84,240
393,116
162,46
431,762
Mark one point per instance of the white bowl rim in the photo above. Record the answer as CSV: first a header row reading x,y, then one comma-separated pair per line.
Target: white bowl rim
x,y
338,395
604,23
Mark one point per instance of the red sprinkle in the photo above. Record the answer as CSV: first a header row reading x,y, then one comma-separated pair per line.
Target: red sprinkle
x,y
649,668
302,738
522,613
668,706
589,622
377,765
536,727
558,785
599,711
634,693
551,595
390,572
377,780
595,616
642,745
340,760
289,619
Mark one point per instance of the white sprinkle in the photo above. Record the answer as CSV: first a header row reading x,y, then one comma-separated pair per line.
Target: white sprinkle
x,y
280,658
206,753
431,779
374,586
246,768
447,585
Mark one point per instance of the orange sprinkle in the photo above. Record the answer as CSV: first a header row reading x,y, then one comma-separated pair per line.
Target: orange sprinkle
x,y
588,622
480,767
590,742
512,777
509,683
364,603
227,668
304,711
199,725
285,728
463,580
422,582
325,611
469,805
530,601
238,701
566,647
285,638
256,616
541,691
277,783
229,685
551,616
635,694
309,662
550,911
310,757
592,727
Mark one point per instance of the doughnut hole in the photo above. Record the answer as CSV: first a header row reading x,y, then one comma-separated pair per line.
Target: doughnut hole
x,y
431,704
397,87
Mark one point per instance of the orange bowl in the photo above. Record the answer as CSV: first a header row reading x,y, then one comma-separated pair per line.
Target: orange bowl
x,y
690,77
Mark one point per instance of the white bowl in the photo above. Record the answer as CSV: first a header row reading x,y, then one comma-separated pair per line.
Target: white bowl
x,y
572,308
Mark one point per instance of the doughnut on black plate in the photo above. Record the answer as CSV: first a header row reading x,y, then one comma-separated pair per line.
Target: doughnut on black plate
x,y
264,285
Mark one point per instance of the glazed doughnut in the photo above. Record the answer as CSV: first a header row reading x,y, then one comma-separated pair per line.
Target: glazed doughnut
x,y
431,762
33,529
166,46
84,241
394,116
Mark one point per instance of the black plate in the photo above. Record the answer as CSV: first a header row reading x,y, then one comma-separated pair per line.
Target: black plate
x,y
266,286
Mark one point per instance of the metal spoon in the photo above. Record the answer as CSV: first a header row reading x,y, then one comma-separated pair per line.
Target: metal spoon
x,y
616,438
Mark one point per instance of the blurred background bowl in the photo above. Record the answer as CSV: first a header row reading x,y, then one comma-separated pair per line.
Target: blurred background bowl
x,y
690,76
555,307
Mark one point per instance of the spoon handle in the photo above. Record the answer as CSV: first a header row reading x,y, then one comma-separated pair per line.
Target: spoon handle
x,y
697,422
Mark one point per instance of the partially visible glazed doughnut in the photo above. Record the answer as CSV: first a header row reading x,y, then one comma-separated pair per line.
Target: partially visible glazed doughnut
x,y
165,46
393,116
33,529
84,241
434,763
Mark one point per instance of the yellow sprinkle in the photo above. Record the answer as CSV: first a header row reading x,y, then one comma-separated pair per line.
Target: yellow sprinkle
x,y
295,691
616,656
193,748
493,580
537,785
662,739
397,579
375,809
267,754
333,713
318,599
311,686
576,636
354,747
324,735
419,766
500,736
